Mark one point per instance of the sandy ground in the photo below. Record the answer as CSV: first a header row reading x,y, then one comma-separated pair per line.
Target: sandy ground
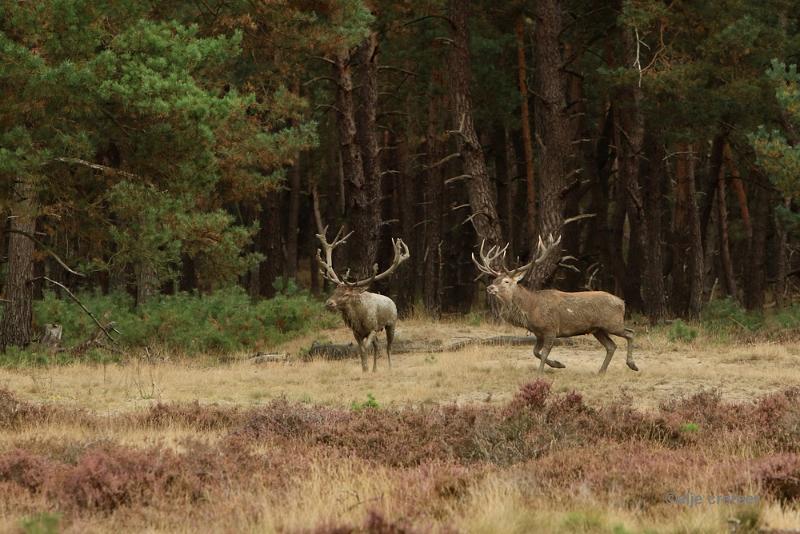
x,y
476,374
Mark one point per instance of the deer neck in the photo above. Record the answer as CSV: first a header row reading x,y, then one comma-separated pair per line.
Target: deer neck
x,y
354,312
517,311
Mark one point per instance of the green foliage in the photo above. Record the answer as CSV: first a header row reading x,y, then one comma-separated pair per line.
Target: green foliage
x,y
223,321
690,427
680,331
370,403
42,523
726,314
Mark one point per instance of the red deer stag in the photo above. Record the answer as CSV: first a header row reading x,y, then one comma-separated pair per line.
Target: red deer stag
x,y
550,313
365,313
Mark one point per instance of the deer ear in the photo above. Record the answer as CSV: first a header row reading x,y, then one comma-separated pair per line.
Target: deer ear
x,y
519,276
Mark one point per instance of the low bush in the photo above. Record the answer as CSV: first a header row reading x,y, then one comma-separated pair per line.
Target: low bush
x,y
223,321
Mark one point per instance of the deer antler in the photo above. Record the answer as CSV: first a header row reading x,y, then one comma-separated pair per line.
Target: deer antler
x,y
327,271
489,257
401,254
542,251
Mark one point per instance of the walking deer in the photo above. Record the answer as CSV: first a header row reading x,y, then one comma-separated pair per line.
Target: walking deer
x,y
365,313
550,313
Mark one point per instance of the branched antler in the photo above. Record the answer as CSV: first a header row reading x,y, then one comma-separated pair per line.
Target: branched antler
x,y
326,265
488,258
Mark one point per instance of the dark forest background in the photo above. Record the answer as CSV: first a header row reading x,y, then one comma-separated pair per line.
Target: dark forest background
x,y
153,148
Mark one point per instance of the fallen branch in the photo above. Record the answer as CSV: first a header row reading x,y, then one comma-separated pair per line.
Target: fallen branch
x,y
334,351
73,297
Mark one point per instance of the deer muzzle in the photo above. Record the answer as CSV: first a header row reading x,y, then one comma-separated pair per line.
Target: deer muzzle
x,y
492,290
330,304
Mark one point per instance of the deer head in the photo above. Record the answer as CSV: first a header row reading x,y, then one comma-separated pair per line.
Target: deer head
x,y
346,289
493,263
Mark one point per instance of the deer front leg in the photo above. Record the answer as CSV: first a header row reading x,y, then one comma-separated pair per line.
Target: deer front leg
x,y
537,351
362,353
547,343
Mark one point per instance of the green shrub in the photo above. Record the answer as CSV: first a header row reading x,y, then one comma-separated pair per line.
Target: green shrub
x,y
726,315
680,331
369,403
223,321
43,523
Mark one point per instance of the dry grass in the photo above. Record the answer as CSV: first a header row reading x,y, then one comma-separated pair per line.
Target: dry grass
x,y
472,375
328,473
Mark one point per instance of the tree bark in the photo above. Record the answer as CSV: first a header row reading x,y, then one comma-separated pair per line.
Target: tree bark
x,y
525,122
782,260
293,219
754,282
722,214
16,326
269,244
481,198
359,153
552,125
653,290
433,197
688,249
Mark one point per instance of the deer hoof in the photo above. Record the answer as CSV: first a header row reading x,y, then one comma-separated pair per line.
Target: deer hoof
x,y
555,364
632,366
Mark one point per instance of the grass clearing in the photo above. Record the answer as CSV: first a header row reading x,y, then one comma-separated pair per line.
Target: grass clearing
x,y
445,441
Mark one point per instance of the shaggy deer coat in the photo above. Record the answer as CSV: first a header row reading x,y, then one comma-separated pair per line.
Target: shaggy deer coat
x,y
366,314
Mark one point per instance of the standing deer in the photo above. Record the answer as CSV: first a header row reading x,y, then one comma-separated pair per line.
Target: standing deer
x,y
550,313
365,313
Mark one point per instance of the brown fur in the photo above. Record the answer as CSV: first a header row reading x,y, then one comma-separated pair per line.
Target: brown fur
x,y
551,314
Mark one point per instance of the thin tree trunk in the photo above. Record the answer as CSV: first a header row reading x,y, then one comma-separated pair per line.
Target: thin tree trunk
x,y
16,326
782,261
688,253
293,219
433,205
525,121
484,213
754,282
552,125
722,214
653,290
269,244
738,188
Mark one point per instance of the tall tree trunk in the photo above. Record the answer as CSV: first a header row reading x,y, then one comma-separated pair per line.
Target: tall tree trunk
x,y
293,219
359,153
722,214
738,188
433,198
552,125
16,325
525,122
484,213
630,143
653,291
782,266
269,244
505,199
688,254
754,282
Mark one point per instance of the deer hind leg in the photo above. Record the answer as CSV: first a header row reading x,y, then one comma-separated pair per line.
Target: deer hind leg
x,y
628,335
610,346
537,351
371,342
547,343
389,340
